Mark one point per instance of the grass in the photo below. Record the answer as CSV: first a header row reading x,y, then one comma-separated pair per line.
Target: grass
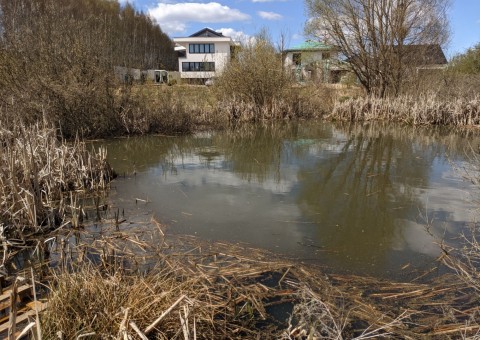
x,y
163,105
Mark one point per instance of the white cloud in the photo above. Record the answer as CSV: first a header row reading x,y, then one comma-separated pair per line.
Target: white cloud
x,y
236,35
175,17
297,36
269,15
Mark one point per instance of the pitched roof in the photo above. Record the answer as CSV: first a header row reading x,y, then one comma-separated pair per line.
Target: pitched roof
x,y
421,55
310,45
207,32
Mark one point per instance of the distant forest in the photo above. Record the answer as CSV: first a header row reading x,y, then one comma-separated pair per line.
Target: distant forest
x,y
60,32
57,59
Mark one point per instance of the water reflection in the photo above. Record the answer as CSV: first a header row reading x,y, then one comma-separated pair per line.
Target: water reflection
x,y
360,198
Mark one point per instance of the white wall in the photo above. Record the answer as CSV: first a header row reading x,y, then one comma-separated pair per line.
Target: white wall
x,y
220,57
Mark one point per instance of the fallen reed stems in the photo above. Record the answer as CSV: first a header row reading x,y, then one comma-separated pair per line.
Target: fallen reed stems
x,y
147,285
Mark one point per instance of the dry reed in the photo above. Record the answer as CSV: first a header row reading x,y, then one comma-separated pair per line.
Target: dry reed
x,y
425,110
182,287
307,102
43,181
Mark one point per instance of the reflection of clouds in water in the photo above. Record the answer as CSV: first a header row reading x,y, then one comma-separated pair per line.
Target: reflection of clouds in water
x,y
449,192
282,192
448,208
192,172
224,207
323,149
335,145
414,236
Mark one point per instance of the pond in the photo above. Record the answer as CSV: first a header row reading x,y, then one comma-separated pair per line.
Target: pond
x,y
365,199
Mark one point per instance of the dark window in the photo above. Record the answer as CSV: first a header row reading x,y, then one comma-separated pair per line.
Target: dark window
x,y
198,67
201,48
297,58
326,55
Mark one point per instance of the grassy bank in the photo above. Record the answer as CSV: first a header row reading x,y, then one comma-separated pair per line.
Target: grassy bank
x,y
183,109
186,108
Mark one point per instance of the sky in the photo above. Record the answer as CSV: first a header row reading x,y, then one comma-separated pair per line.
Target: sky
x,y
241,19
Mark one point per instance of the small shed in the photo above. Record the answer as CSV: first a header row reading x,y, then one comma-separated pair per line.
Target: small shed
x,y
160,77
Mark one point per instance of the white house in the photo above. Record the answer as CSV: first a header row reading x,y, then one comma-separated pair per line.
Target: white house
x,y
203,54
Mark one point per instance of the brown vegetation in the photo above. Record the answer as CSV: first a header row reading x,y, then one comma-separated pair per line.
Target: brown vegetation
x,y
422,110
57,60
307,102
42,182
201,290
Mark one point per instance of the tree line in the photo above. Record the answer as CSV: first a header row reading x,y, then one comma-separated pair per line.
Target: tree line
x,y
57,59
119,34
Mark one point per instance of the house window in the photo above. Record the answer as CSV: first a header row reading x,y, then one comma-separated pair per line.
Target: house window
x,y
198,67
326,55
297,58
201,48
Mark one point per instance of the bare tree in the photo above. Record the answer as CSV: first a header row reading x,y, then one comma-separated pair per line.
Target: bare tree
x,y
374,35
282,43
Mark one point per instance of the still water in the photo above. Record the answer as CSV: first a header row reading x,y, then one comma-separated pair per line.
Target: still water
x,y
371,199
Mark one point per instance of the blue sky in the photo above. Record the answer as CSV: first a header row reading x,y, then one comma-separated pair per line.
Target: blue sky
x,y
244,18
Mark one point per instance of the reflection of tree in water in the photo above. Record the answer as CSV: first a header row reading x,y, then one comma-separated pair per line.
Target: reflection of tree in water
x,y
260,152
127,155
352,181
355,194
253,152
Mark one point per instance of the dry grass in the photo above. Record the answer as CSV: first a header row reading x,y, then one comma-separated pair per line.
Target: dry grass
x,y
425,110
307,102
170,109
203,290
185,108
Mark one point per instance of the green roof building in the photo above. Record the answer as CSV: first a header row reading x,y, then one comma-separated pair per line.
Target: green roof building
x,y
312,61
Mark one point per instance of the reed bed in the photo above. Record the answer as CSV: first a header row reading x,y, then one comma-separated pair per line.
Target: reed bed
x,y
306,102
425,110
43,183
147,285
